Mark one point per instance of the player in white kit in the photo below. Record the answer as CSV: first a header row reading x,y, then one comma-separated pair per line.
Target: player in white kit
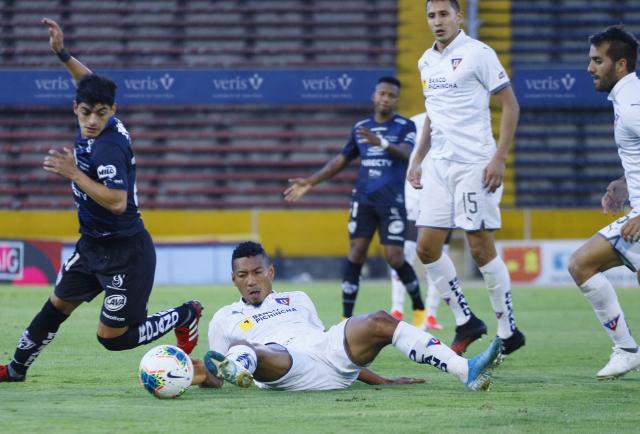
x,y
614,54
464,168
432,300
277,339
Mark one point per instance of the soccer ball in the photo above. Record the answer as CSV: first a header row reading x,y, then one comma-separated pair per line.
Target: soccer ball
x,y
166,371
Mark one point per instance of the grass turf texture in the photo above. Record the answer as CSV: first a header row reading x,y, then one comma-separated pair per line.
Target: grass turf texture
x,y
548,386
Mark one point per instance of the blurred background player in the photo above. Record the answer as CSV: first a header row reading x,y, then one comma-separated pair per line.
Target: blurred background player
x,y
115,253
614,55
278,339
432,299
383,142
464,169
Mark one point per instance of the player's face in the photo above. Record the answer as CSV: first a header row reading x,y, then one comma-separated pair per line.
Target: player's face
x,y
443,21
253,277
385,99
92,119
602,68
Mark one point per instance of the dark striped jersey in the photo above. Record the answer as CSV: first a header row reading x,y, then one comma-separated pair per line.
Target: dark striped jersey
x,y
381,177
107,159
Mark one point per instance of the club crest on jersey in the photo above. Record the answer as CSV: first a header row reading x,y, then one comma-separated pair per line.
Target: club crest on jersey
x,y
246,324
283,300
456,62
433,341
613,324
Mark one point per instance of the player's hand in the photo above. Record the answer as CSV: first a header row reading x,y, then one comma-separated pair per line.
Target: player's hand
x,y
630,231
414,176
61,163
297,189
370,137
493,174
615,197
56,37
406,380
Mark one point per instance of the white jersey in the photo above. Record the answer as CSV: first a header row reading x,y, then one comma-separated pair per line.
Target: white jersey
x,y
286,318
625,96
457,84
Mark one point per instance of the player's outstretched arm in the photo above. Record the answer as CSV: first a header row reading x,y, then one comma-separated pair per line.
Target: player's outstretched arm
x,y
494,172
615,197
369,377
300,186
56,41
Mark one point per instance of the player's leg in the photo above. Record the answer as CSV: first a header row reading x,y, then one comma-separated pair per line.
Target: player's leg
x,y
366,335
443,274
245,361
393,227
127,278
74,285
397,294
436,219
586,267
362,226
433,297
498,282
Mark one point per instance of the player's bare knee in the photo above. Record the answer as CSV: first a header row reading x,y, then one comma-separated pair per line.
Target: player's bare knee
x,y
395,261
427,254
381,324
578,268
481,254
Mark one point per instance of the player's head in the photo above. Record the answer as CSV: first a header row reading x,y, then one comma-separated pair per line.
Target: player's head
x,y
613,54
444,18
252,272
386,95
94,104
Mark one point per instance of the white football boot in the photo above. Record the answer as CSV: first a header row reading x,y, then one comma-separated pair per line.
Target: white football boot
x,y
620,363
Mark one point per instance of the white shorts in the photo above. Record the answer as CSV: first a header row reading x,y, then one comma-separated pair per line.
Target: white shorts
x,y
320,365
411,202
628,252
453,197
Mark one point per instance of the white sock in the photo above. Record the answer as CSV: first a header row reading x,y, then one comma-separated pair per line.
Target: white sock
x,y
496,277
424,348
444,278
432,300
604,300
398,290
245,356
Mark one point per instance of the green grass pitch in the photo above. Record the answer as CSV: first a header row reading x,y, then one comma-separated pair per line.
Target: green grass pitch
x,y
549,386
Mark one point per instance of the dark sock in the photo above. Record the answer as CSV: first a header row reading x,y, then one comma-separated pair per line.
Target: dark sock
x,y
411,284
41,331
350,286
152,328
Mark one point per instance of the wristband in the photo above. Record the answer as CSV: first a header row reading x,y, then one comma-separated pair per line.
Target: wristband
x,y
63,55
384,143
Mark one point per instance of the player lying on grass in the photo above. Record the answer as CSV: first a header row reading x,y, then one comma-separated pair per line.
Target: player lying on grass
x,y
278,340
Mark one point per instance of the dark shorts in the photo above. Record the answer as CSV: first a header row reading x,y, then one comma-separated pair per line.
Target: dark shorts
x,y
391,222
123,268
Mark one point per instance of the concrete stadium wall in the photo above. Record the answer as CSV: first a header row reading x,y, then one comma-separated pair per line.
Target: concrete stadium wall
x,y
290,233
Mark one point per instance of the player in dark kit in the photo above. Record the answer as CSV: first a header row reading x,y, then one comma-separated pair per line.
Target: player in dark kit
x,y
383,142
115,253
